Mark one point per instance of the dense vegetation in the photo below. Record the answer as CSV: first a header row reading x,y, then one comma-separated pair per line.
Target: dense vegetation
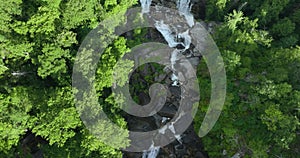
x,y
39,39
259,41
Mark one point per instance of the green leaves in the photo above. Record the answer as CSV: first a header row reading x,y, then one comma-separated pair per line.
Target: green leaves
x,y
57,118
9,136
282,126
216,9
44,20
39,39
52,61
110,3
234,19
121,71
109,58
3,68
241,34
232,60
15,51
78,12
221,3
262,62
66,39
8,9
269,10
60,128
284,31
272,91
283,27
14,117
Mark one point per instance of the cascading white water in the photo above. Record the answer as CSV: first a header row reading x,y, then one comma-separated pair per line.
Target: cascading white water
x,y
178,137
145,5
166,33
152,152
184,7
187,39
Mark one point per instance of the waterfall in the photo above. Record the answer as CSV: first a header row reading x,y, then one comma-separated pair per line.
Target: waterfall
x,y
187,39
178,137
173,60
19,73
145,5
152,152
173,39
164,119
162,130
166,33
184,8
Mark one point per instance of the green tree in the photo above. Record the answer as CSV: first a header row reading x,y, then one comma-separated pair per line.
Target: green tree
x,y
39,41
259,119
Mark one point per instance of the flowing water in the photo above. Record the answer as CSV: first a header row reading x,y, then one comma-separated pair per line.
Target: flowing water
x,y
184,7
145,5
152,152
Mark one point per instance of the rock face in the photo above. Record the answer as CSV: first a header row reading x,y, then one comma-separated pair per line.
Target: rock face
x,y
198,8
187,144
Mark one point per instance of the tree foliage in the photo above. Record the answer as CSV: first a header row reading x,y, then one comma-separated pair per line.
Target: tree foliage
x,y
261,114
39,41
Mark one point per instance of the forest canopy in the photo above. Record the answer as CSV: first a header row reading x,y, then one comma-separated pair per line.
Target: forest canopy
x,y
39,39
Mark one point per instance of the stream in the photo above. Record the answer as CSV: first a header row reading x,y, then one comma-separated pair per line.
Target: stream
x,y
187,144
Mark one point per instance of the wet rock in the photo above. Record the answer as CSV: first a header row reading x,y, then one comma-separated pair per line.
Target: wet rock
x,y
131,155
189,145
141,124
168,111
175,91
198,154
160,77
144,98
187,140
180,149
194,61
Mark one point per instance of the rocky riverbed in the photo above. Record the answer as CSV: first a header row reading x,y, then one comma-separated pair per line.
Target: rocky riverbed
x,y
187,144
